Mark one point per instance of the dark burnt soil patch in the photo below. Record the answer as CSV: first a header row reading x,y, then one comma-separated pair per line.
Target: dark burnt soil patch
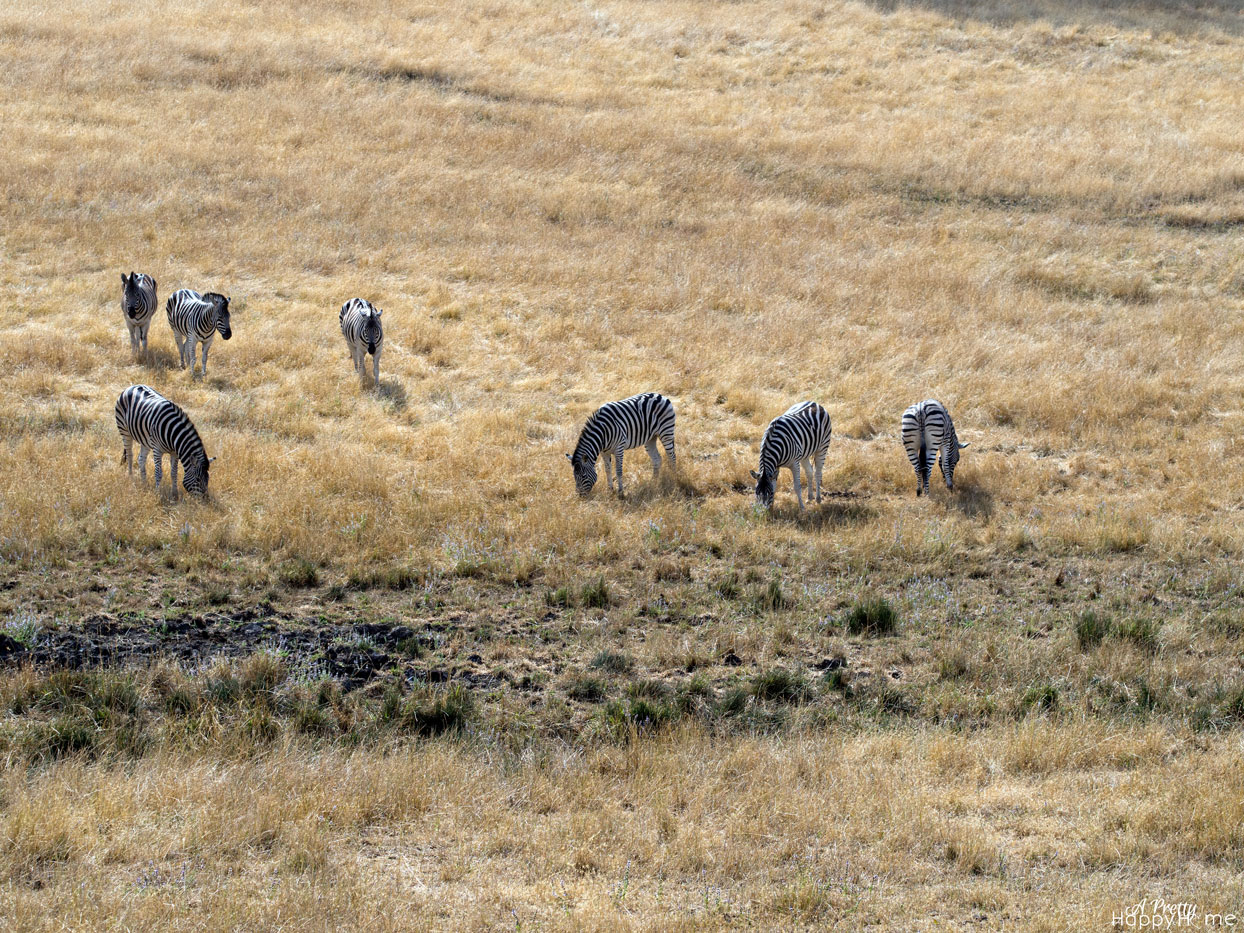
x,y
353,655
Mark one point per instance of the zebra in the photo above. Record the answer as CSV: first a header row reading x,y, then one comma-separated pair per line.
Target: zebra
x,y
146,416
927,429
638,421
360,325
138,305
195,318
800,435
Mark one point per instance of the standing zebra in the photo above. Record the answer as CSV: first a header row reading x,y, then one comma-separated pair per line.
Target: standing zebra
x,y
798,436
195,318
360,325
146,416
927,429
138,304
637,421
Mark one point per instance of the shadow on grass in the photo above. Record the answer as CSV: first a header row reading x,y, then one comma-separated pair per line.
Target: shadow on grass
x,y
393,392
157,359
972,501
1179,16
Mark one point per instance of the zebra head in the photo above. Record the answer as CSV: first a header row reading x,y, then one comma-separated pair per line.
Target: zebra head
x,y
196,476
131,300
766,484
221,304
371,328
584,474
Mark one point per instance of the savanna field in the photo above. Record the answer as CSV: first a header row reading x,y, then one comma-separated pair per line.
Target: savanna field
x,y
393,674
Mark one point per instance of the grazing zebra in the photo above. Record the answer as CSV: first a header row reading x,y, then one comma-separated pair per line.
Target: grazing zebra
x,y
927,429
138,304
801,435
637,421
360,325
195,318
146,416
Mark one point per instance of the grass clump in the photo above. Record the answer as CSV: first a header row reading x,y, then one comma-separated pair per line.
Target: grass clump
x,y
771,598
595,595
872,616
615,662
1090,629
586,688
299,573
782,686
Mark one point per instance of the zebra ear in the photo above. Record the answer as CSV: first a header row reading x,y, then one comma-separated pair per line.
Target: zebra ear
x,y
570,458
755,475
379,312
124,280
961,446
211,459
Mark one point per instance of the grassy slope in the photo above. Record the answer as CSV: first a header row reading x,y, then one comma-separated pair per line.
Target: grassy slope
x,y
1029,211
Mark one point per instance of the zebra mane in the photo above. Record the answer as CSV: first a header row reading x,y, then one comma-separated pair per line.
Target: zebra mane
x,y
585,437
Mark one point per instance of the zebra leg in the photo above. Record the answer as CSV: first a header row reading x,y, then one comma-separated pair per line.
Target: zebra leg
x,y
655,457
807,476
668,444
142,462
820,462
206,343
181,349
375,367
158,456
172,468
794,474
127,454
606,457
618,456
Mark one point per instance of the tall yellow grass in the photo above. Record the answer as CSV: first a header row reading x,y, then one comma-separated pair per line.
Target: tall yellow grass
x,y
1027,213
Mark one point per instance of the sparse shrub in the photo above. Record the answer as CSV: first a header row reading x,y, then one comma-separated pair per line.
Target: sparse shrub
x,y
1141,632
781,685
299,573
615,662
652,689
595,595
952,664
872,616
734,702
62,735
409,647
1091,628
437,711
727,585
1043,698
771,598
837,679
261,673
621,719
560,598
586,688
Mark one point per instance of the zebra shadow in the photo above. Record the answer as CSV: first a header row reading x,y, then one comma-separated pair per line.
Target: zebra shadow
x,y
392,392
837,510
667,485
157,359
972,501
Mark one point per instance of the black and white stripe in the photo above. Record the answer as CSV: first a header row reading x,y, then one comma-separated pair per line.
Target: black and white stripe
x,y
360,325
195,319
638,421
156,424
799,436
138,305
928,430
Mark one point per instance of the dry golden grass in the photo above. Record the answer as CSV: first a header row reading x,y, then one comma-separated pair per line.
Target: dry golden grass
x,y
1027,828
1028,210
